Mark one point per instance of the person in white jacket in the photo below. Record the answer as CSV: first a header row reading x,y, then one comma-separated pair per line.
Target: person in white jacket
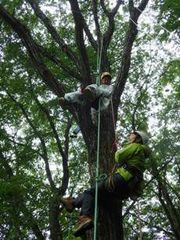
x,y
92,93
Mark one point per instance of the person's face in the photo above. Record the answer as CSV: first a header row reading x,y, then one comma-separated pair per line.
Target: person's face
x,y
132,137
106,80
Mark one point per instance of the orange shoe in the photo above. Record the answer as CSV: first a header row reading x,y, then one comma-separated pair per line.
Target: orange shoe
x,y
68,204
85,223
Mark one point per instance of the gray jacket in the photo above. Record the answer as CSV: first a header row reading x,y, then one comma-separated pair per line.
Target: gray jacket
x,y
102,91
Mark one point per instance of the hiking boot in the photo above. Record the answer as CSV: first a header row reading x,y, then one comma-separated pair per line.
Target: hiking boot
x,y
68,204
85,223
63,103
88,95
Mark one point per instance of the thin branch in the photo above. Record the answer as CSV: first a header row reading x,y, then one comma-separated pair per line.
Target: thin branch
x,y
64,47
27,40
147,184
58,62
108,34
37,133
14,201
126,54
95,14
5,164
79,26
136,107
154,226
64,154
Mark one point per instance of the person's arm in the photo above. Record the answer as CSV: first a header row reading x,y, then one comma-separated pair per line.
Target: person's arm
x,y
106,91
125,153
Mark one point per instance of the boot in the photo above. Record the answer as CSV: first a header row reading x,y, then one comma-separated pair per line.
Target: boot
x,y
88,95
63,103
68,204
85,223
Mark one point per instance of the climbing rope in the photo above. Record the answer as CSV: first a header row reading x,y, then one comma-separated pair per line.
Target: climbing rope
x,y
98,141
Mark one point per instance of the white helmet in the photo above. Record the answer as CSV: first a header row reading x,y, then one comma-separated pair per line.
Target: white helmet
x,y
143,135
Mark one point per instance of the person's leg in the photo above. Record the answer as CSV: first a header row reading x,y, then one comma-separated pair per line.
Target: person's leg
x,y
87,207
87,201
118,187
73,97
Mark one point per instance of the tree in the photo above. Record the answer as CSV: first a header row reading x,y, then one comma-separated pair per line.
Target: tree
x,y
53,51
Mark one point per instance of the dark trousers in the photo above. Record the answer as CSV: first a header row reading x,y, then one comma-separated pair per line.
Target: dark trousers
x,y
85,201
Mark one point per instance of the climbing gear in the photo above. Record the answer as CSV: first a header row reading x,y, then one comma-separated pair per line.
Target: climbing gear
x,y
85,223
105,74
68,204
144,136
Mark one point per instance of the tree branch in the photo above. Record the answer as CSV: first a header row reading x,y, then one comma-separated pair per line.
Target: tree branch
x,y
154,226
126,54
108,34
43,145
79,26
64,154
95,14
14,201
33,51
53,32
5,164
147,184
136,108
58,62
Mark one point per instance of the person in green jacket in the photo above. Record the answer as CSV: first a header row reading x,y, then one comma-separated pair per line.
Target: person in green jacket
x,y
125,181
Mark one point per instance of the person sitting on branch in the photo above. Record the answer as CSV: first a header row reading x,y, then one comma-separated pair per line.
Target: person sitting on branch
x,y
92,93
125,181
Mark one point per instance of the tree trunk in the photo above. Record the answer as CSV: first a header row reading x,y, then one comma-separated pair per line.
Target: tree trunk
x,y
55,228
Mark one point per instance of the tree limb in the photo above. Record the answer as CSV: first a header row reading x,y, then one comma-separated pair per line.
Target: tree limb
x,y
126,54
14,201
136,108
58,62
79,26
43,145
63,153
27,40
147,184
108,34
95,14
5,164
64,47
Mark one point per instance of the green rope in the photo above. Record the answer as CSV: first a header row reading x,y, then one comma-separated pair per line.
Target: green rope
x,y
98,143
